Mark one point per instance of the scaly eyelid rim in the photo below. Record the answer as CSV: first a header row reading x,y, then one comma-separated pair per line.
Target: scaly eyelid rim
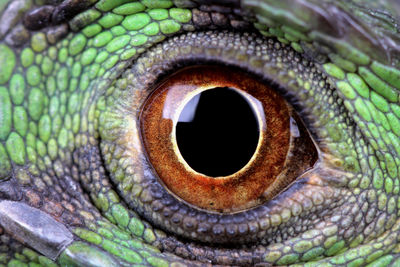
x,y
145,194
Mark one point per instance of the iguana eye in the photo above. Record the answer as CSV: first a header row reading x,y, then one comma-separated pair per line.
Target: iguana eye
x,y
142,149
206,170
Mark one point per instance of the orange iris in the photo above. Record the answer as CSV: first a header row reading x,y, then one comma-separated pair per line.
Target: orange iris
x,y
251,184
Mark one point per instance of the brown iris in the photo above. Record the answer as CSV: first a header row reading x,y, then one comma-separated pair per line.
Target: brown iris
x,y
256,179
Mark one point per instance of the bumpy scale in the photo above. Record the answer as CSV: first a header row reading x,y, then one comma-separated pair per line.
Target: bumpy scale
x,y
71,190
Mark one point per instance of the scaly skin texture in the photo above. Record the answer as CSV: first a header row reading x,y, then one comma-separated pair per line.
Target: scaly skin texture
x,y
73,75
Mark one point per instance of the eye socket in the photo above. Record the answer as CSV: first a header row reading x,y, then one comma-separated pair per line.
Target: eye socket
x,y
127,156
282,149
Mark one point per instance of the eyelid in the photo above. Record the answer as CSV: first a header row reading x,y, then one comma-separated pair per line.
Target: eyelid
x,y
140,187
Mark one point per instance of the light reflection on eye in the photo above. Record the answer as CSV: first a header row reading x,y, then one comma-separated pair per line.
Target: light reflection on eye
x,y
274,158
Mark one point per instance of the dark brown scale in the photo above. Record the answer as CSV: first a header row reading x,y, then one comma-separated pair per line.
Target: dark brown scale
x,y
38,18
201,18
219,19
68,9
56,33
220,4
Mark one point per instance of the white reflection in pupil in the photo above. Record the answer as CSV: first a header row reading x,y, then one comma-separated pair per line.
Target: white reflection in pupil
x,y
189,111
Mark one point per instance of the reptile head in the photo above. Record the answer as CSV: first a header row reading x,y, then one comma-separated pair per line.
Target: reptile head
x,y
89,172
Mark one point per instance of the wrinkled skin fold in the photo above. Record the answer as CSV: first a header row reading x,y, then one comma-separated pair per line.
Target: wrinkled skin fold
x,y
76,188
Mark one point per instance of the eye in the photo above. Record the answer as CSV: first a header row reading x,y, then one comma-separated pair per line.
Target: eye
x,y
223,141
148,153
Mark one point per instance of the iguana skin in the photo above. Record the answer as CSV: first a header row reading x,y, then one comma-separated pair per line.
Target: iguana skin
x,y
71,193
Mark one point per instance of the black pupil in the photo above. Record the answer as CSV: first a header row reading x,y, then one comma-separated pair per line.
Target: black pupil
x,y
217,132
